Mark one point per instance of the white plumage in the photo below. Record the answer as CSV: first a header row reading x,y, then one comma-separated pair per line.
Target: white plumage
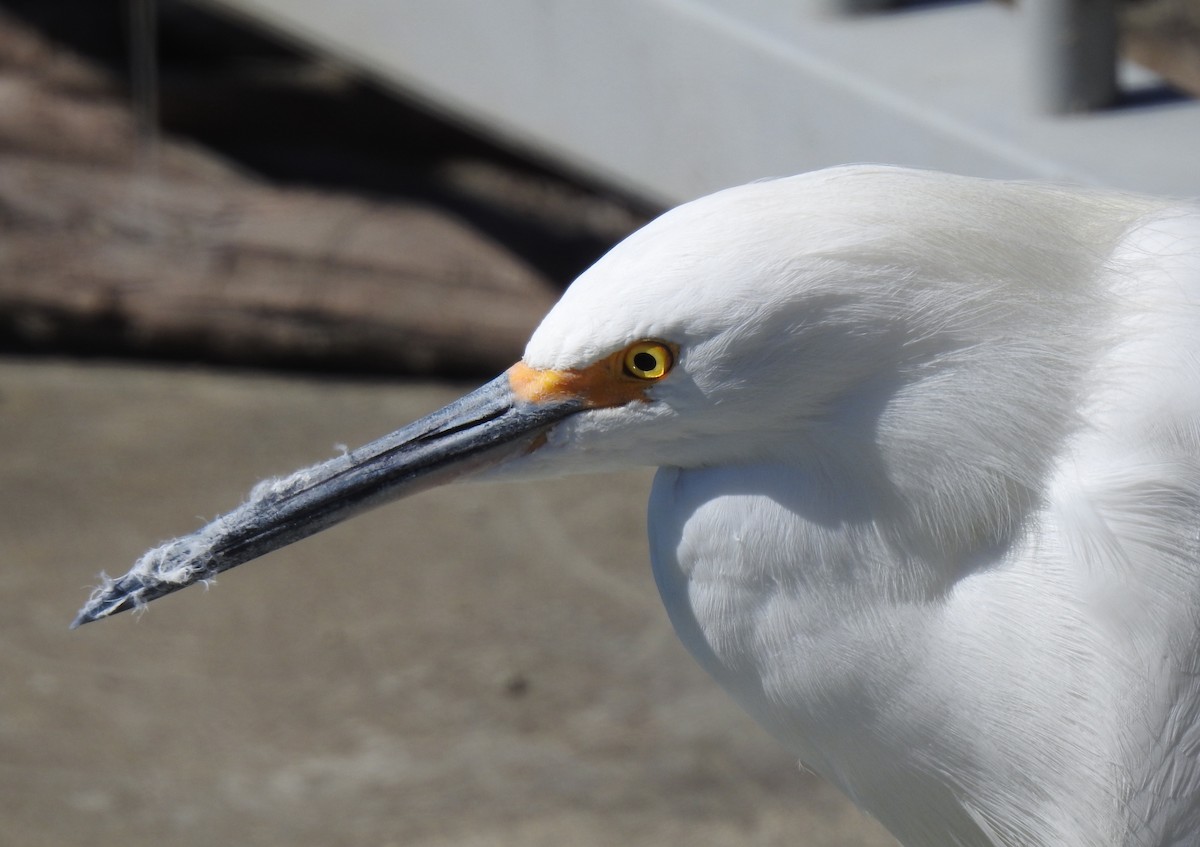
x,y
929,486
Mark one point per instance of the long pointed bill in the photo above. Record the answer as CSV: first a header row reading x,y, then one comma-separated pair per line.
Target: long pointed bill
x,y
477,431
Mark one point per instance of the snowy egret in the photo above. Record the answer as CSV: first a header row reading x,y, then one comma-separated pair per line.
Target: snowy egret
x,y
929,485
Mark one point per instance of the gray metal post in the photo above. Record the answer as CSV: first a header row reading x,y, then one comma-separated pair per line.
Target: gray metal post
x,y
1073,53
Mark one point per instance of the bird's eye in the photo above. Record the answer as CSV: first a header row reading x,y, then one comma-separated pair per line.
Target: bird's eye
x,y
648,360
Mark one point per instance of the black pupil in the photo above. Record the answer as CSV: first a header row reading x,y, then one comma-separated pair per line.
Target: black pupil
x,y
645,361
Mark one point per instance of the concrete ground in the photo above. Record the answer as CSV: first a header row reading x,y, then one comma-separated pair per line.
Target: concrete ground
x,y
480,665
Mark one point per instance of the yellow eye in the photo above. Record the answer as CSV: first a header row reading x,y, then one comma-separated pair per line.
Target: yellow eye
x,y
648,360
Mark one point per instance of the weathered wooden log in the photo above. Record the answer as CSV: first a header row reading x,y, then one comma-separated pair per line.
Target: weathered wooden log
x,y
108,247
248,273
1164,35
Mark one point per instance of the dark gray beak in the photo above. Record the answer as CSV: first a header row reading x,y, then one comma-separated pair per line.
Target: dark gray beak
x,y
483,428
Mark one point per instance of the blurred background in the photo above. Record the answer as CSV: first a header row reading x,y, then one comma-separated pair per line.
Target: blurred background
x,y
237,233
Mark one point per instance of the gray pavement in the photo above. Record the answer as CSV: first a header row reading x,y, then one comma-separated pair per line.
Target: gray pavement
x,y
479,665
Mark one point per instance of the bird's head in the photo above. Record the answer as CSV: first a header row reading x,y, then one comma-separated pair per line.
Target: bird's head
x,y
795,320
735,328
817,319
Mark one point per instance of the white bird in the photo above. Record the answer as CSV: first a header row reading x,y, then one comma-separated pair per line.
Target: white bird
x,y
929,453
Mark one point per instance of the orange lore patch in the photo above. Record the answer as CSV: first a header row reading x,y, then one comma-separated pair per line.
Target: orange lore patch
x,y
599,385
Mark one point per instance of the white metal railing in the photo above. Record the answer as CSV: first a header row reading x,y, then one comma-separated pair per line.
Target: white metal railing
x,y
674,98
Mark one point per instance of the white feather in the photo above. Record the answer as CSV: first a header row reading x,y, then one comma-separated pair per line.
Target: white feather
x,y
930,489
